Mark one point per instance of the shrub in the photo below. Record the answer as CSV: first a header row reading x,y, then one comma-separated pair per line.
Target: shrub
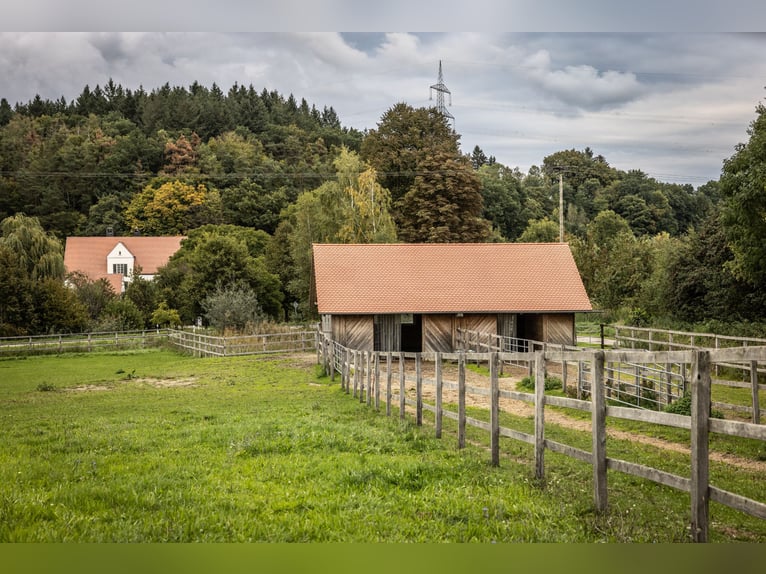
x,y
551,383
683,406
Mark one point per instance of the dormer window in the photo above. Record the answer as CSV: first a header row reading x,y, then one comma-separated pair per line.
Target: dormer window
x,y
120,268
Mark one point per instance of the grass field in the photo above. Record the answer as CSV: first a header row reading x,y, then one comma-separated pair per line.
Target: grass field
x,y
153,446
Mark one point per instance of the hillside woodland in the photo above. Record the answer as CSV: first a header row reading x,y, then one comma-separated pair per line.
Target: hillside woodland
x,y
252,178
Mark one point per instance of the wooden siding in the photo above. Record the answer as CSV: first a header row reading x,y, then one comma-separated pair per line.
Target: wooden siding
x,y
388,332
438,333
559,329
354,331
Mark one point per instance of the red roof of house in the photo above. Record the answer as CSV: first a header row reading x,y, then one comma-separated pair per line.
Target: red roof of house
x,y
88,254
447,278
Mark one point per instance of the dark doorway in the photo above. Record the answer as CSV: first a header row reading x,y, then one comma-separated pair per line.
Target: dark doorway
x,y
412,334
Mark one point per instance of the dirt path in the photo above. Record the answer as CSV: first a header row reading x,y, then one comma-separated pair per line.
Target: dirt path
x,y
523,409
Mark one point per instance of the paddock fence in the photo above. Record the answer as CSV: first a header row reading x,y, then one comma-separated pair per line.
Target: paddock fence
x,y
81,342
202,345
381,379
195,342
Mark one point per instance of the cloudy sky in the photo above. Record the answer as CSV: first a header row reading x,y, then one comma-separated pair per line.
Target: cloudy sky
x,y
673,103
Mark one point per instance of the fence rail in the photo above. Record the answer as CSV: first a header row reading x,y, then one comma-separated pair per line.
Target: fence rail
x,y
80,342
361,375
198,343
202,345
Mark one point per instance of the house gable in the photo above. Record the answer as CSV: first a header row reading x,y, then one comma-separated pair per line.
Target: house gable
x,y
120,261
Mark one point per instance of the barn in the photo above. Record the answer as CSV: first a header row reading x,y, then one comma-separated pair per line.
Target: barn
x,y
415,297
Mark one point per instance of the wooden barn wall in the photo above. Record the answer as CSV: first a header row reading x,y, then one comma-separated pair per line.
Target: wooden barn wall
x,y
559,329
354,331
438,333
388,332
480,323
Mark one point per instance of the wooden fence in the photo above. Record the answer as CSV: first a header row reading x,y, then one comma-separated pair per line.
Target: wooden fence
x,y
360,374
201,345
80,342
667,340
197,343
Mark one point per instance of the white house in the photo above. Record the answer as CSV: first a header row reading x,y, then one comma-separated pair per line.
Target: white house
x,y
115,258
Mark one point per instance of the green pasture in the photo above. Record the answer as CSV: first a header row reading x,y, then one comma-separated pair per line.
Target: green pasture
x,y
154,446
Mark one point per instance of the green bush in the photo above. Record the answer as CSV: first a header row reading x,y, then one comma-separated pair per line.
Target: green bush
x,y
683,406
551,383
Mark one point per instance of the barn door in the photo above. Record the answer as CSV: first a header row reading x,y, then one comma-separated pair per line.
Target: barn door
x,y
388,333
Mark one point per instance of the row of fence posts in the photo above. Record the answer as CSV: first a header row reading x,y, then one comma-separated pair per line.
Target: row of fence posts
x,y
366,364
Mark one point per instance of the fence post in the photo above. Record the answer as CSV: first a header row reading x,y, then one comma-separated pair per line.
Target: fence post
x,y
539,414
332,359
563,371
598,428
356,372
494,415
754,383
700,420
438,375
368,389
461,400
388,384
419,389
377,381
401,386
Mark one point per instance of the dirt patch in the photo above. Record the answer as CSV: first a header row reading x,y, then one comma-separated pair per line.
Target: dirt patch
x,y
85,388
157,383
165,383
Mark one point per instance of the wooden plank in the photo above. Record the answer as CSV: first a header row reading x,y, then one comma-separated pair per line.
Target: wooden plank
x,y
478,423
388,383
368,388
658,476
438,333
518,396
539,415
461,402
700,460
419,391
439,391
494,410
568,403
754,383
401,385
738,428
738,355
569,451
376,381
517,435
559,328
656,417
598,426
737,502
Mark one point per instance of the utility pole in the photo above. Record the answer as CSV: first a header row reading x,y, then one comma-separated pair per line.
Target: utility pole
x,y
561,208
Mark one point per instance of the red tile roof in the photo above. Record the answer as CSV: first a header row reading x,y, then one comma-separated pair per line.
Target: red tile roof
x,y
88,254
447,278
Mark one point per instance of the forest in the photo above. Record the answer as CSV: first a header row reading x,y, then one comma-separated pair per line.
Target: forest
x,y
253,178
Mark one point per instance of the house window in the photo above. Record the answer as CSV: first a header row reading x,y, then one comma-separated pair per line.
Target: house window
x,y
120,268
